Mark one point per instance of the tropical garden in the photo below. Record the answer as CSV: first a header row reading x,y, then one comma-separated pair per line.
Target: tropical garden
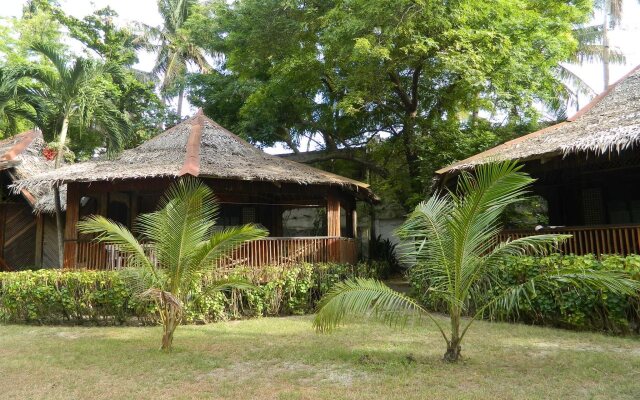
x,y
374,90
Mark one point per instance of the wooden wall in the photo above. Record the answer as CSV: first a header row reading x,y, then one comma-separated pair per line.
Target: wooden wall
x,y
18,225
49,242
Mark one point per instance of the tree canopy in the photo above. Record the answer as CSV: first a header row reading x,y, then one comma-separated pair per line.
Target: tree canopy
x,y
432,78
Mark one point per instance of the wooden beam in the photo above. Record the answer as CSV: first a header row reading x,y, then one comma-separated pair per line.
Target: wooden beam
x,y
39,239
71,225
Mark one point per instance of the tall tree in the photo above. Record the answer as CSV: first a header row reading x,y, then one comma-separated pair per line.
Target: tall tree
x,y
416,70
133,91
75,93
612,11
176,49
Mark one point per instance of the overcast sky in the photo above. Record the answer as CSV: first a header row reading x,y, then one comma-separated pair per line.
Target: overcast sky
x,y
626,37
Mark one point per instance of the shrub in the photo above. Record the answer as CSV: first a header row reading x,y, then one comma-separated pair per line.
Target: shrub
x,y
102,297
568,307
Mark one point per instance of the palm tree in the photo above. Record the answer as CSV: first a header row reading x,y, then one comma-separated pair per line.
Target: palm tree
x,y
18,101
75,92
612,11
181,245
450,240
176,50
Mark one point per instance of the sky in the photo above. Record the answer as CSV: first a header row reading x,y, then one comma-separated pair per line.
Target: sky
x,y
626,36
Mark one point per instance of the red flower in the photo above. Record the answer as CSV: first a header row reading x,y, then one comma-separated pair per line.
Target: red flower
x,y
49,153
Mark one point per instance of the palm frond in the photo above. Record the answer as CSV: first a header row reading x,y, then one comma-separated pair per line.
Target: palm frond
x,y
111,232
225,285
364,297
56,57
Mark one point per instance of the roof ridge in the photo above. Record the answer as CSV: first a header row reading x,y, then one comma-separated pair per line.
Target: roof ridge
x,y
583,111
21,145
596,100
191,164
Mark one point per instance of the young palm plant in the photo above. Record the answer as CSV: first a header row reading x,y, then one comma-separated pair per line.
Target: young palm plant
x,y
450,242
178,245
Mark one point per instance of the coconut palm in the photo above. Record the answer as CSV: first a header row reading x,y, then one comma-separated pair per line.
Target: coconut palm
x,y
612,11
176,50
180,248
75,92
450,241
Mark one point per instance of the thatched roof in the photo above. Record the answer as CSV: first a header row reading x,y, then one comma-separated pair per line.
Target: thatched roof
x,y
22,156
609,123
200,147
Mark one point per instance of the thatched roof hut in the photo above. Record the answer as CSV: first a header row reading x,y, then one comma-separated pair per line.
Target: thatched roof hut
x,y
21,158
200,147
587,175
609,123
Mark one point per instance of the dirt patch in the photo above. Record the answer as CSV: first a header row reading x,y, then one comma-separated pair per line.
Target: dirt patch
x,y
304,374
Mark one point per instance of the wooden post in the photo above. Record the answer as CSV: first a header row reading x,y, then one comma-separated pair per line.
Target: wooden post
x,y
354,223
70,227
277,221
103,204
333,216
333,227
352,219
39,239
133,209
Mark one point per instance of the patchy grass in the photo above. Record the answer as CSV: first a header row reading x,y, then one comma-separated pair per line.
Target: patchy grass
x,y
282,358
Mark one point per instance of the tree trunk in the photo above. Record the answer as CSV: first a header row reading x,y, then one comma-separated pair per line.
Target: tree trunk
x,y
180,100
411,153
62,138
59,225
171,316
453,351
605,43
454,344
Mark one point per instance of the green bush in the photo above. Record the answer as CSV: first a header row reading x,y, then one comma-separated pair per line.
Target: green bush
x,y
102,297
566,307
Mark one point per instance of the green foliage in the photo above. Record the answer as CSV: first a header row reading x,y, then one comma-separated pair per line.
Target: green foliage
x,y
565,305
51,296
528,213
429,76
384,251
105,298
573,307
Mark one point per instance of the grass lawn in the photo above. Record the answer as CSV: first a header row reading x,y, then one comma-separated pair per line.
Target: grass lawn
x,y
282,358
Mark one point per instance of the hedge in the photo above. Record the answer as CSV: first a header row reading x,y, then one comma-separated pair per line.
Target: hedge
x,y
103,298
568,307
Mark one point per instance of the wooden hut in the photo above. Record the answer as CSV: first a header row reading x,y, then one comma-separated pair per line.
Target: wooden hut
x,y
251,186
27,239
588,170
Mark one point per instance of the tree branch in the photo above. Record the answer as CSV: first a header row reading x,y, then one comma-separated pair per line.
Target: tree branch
x,y
319,156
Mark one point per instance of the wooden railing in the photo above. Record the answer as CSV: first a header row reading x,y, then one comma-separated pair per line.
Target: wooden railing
x,y
269,251
605,239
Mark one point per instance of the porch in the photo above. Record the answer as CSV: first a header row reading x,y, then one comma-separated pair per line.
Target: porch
x,y
260,203
271,251
597,240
